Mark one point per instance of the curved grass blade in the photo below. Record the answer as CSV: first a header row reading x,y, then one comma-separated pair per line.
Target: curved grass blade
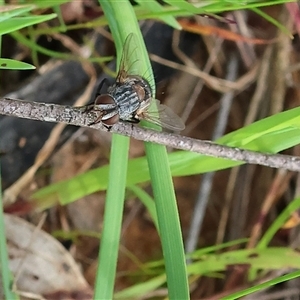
x,y
17,23
11,64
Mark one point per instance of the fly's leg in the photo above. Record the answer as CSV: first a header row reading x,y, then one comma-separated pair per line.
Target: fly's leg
x,y
101,84
98,120
88,107
133,120
98,90
107,127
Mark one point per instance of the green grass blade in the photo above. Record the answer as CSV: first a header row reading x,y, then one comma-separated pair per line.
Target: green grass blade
x,y
17,23
168,220
189,7
47,4
262,286
174,11
203,251
124,11
6,277
141,289
105,279
147,201
257,259
54,54
11,64
154,6
272,21
57,10
109,246
7,12
278,223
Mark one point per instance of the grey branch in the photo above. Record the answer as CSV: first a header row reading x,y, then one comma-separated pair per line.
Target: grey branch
x,y
81,116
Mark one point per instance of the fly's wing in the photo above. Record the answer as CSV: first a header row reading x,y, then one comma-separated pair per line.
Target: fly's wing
x,y
129,64
163,116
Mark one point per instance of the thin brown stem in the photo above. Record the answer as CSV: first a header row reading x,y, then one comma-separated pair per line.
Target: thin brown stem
x,y
80,116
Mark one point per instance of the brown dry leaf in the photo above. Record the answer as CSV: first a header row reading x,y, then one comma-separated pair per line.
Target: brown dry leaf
x,y
292,222
80,11
72,11
294,11
40,263
222,33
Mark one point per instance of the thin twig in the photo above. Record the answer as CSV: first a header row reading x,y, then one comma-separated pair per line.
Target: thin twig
x,y
80,116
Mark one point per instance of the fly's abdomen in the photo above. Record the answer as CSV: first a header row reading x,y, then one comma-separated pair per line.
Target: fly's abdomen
x,y
127,101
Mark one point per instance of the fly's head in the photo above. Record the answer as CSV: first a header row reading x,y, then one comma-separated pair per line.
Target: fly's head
x,y
108,110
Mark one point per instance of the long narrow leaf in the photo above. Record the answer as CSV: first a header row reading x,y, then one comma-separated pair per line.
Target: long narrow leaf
x,y
265,285
11,64
105,279
10,11
17,23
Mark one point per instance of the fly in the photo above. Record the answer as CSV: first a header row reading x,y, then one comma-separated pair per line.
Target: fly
x,y
130,99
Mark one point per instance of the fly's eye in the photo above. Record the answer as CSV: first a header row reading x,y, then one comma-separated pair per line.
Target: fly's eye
x,y
111,121
104,99
140,92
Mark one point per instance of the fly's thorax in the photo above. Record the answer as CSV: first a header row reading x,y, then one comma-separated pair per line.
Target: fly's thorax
x,y
130,95
126,99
